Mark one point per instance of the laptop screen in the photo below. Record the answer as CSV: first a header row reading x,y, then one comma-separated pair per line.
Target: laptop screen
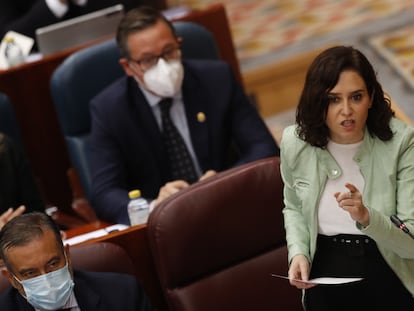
x,y
80,30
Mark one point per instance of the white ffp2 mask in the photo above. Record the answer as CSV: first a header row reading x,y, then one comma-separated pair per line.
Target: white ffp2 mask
x,y
165,78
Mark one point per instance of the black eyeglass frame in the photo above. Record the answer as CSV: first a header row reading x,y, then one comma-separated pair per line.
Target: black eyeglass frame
x,y
145,63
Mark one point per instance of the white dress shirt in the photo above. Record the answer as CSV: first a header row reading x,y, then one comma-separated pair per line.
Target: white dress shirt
x,y
177,112
71,304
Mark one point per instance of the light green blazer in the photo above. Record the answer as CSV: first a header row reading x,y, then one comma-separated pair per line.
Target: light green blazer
x,y
388,170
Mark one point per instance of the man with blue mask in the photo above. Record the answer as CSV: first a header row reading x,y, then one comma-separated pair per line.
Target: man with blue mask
x,y
169,122
38,267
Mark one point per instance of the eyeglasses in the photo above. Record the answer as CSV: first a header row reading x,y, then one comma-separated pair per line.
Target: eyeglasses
x,y
147,62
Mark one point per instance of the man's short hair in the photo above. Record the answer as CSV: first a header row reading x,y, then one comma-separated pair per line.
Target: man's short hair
x,y
25,228
137,19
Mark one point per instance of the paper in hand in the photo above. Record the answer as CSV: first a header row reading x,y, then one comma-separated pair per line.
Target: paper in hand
x,y
323,280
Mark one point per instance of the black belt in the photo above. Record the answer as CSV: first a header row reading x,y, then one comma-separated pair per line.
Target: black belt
x,y
352,244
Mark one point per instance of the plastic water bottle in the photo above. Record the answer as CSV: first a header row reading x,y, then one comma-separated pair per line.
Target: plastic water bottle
x,y
138,208
13,52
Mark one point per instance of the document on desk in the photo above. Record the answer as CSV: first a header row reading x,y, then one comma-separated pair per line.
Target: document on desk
x,y
94,234
323,280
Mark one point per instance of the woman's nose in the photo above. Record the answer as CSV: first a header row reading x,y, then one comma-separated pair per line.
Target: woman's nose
x,y
346,108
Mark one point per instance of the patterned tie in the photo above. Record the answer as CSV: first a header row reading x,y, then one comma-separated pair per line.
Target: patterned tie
x,y
181,164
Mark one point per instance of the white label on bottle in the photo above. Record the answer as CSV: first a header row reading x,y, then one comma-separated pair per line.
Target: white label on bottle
x,y
138,216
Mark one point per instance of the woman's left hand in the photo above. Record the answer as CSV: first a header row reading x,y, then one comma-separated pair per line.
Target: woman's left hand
x,y
352,203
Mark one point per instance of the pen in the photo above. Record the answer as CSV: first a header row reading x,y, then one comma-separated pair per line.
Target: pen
x,y
110,231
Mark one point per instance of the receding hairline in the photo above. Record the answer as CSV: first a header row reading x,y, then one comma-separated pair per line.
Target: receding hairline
x,y
24,229
23,242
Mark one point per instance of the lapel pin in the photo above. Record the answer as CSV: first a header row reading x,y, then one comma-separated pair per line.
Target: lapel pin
x,y
201,117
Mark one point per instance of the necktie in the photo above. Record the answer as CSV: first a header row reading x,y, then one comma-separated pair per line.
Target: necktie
x,y
181,164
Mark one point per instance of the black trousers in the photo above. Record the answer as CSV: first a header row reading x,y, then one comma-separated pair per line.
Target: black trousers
x,y
354,256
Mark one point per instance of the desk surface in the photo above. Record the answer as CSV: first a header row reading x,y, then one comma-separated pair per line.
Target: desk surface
x,y
85,229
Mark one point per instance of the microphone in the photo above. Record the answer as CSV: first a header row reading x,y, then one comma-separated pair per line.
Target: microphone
x,y
398,222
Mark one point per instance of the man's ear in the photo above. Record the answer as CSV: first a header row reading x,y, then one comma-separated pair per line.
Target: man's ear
x,y
69,259
67,251
5,273
125,65
13,282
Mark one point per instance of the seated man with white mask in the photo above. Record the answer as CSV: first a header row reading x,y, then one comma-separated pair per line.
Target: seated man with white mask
x,y
38,267
197,104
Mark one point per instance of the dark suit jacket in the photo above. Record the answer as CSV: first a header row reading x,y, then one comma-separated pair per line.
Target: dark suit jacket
x,y
94,291
126,147
17,184
25,16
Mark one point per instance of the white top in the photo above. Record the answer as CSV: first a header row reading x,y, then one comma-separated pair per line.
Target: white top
x,y
331,218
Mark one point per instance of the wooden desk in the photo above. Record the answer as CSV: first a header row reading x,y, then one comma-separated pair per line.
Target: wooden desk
x,y
85,229
134,241
28,89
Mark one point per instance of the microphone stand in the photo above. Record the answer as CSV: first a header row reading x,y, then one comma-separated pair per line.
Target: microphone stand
x,y
399,224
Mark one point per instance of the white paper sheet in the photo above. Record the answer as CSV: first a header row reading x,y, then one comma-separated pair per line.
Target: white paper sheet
x,y
94,234
323,280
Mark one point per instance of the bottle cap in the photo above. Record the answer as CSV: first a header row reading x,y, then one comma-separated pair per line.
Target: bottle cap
x,y
133,194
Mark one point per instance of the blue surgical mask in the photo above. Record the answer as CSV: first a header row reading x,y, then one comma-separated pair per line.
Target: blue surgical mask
x,y
49,291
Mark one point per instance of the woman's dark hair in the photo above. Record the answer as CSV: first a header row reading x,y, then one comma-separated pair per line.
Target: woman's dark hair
x,y
322,76
137,19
